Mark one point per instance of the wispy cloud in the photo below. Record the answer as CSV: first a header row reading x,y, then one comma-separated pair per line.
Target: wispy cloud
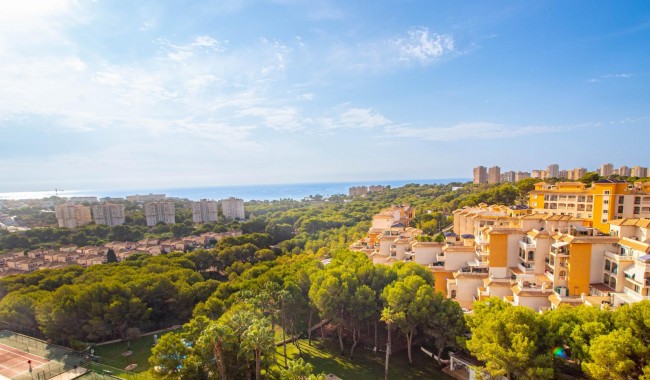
x,y
477,131
356,118
417,45
277,118
611,76
423,46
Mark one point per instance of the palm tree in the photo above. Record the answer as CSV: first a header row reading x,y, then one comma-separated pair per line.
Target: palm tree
x,y
388,317
258,338
217,334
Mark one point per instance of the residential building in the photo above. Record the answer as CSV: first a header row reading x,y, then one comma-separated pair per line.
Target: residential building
x,y
604,201
564,174
160,212
233,208
521,175
480,175
83,200
627,265
494,174
72,215
146,198
541,174
109,214
606,170
508,176
624,171
205,211
355,191
553,171
576,174
639,171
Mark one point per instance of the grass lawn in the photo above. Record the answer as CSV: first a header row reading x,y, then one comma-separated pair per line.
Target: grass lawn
x,y
366,364
111,354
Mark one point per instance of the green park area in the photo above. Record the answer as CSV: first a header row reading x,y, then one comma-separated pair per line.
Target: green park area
x,y
115,354
366,364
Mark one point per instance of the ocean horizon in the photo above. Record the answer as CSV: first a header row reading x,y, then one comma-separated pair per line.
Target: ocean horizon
x,y
295,191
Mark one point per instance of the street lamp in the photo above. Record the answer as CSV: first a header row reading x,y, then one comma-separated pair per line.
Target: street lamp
x,y
29,362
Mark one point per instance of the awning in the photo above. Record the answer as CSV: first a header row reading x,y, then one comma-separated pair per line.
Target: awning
x,y
644,258
629,271
580,228
559,244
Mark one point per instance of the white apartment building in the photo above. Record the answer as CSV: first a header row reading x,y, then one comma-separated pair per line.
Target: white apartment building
x,y
480,174
72,215
205,211
83,200
159,212
553,171
109,214
233,208
145,198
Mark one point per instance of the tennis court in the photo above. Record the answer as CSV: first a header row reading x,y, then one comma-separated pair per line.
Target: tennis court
x,y
20,353
14,362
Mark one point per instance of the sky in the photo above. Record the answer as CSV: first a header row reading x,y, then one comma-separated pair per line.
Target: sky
x,y
151,94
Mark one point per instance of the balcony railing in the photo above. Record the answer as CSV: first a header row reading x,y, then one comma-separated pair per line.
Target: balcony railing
x,y
526,268
525,245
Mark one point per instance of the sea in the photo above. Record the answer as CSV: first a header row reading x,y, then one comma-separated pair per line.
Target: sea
x,y
295,191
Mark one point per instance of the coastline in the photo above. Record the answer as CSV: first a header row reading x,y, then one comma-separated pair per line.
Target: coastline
x,y
295,191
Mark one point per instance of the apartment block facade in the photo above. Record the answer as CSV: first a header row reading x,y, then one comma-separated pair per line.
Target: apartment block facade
x,y
205,211
480,175
528,258
109,214
72,215
604,201
233,208
494,174
160,212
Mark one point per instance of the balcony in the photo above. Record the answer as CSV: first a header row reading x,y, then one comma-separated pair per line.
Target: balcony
x,y
618,257
482,252
440,258
478,264
526,246
526,268
560,251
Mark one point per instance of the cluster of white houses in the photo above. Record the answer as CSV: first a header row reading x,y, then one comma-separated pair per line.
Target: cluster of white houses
x,y
528,258
20,262
73,214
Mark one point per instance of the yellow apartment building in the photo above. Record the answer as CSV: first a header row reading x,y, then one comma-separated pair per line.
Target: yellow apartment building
x,y
604,201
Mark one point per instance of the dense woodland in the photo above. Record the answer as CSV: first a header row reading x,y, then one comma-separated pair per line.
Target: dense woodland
x,y
238,297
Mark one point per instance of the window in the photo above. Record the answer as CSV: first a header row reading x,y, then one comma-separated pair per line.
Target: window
x,y
605,211
637,210
606,202
621,199
604,220
620,209
606,192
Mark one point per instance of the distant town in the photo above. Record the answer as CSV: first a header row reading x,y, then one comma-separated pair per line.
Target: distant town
x,y
481,174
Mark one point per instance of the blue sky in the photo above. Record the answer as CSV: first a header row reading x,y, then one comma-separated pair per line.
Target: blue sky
x,y
118,95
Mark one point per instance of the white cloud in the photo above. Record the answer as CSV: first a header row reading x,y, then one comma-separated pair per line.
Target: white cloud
x,y
277,118
477,131
611,76
423,46
355,118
